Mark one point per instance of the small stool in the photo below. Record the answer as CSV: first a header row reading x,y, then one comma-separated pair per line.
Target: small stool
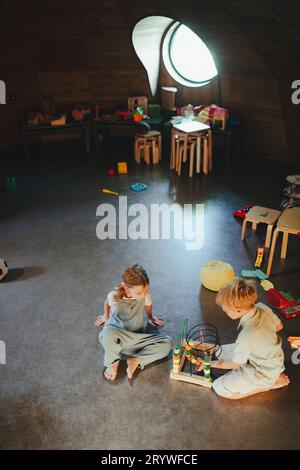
x,y
183,142
288,222
261,215
145,142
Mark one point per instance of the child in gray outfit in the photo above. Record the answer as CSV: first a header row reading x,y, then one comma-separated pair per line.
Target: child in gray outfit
x,y
123,321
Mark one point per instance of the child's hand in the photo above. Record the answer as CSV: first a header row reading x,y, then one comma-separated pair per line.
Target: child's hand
x,y
99,321
156,321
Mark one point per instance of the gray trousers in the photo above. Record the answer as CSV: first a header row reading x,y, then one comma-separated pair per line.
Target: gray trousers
x,y
146,347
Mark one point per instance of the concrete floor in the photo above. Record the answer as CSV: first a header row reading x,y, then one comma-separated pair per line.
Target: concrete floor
x,y
52,391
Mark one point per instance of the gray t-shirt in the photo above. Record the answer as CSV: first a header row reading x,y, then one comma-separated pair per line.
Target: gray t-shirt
x,y
127,314
259,343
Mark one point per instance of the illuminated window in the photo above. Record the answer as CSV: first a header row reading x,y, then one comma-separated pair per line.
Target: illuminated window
x,y
186,57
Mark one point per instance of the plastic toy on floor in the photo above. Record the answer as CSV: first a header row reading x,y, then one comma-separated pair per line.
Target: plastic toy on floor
x,y
197,347
137,187
256,273
241,213
108,191
122,168
259,256
286,303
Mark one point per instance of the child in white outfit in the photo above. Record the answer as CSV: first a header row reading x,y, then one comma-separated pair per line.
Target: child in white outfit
x,y
256,358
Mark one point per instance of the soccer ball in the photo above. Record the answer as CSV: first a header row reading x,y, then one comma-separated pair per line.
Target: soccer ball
x,y
3,268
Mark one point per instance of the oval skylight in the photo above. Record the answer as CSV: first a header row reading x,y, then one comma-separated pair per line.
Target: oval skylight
x,y
187,58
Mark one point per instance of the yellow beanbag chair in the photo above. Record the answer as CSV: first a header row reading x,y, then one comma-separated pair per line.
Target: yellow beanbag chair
x,y
215,274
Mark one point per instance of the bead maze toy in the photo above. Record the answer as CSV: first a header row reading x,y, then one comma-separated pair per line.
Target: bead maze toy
x,y
197,347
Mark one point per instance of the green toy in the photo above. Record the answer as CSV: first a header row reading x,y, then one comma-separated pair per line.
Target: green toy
x,y
10,183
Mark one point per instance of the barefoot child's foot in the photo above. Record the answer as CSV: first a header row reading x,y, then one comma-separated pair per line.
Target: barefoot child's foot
x,y
282,381
132,363
111,372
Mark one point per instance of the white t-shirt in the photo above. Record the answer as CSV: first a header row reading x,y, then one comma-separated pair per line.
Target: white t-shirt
x,y
111,301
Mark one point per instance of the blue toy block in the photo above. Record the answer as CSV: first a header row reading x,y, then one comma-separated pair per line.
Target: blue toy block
x,y
261,275
248,273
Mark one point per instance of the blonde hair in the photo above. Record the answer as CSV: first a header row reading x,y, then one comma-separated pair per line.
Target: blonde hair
x,y
239,293
132,276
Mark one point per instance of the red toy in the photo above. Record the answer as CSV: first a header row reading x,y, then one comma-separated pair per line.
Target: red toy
x,y
242,212
123,115
111,172
286,303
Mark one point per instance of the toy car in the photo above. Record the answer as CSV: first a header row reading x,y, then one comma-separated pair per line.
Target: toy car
x,y
242,212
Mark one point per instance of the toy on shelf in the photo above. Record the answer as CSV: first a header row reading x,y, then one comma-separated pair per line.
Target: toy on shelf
x,y
122,168
80,113
138,114
220,115
242,212
137,101
111,172
294,341
211,115
108,191
195,347
154,111
285,302
122,115
60,121
259,256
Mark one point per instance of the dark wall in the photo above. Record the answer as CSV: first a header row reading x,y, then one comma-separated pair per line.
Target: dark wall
x,y
80,50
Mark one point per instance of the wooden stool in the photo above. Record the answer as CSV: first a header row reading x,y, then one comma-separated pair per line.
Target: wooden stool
x,y
183,142
288,222
144,143
261,215
176,138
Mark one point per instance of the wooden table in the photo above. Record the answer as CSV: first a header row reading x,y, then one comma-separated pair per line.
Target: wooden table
x,y
28,130
288,223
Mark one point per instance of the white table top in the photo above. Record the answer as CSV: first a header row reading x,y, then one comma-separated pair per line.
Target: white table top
x,y
192,126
